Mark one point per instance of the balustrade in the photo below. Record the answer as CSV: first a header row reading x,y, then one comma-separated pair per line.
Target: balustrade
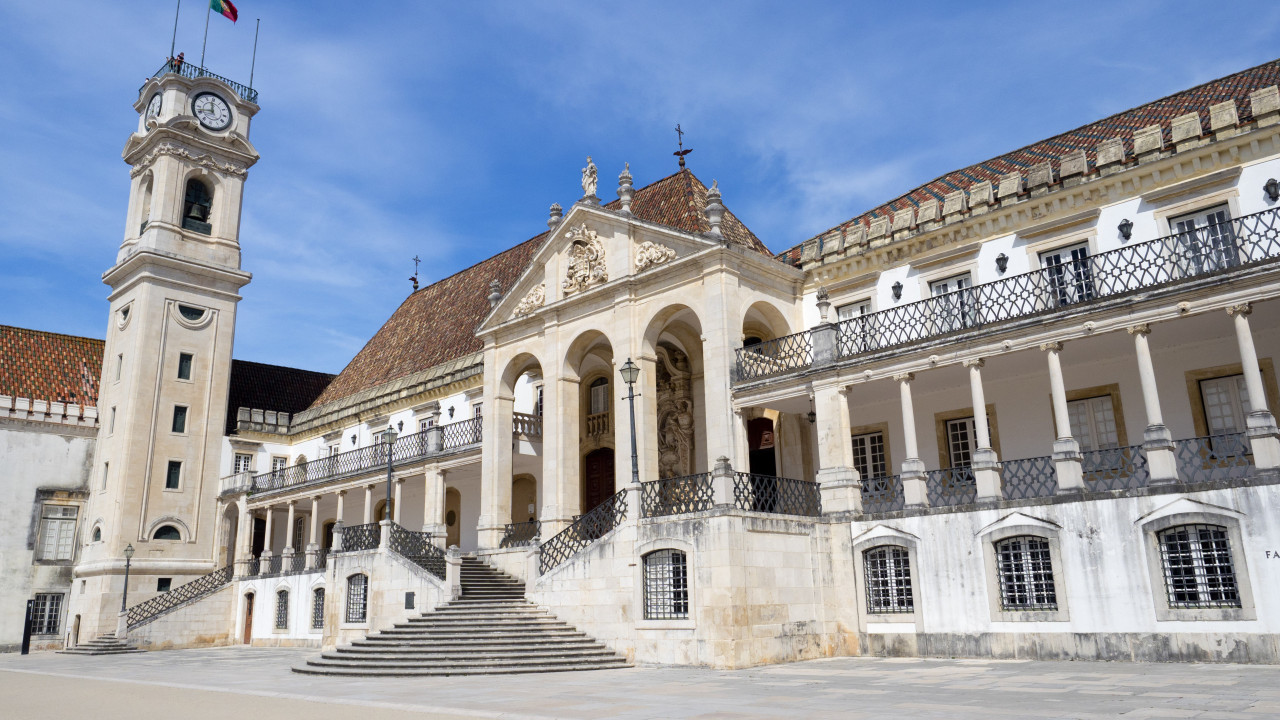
x,y
677,495
520,534
528,425
191,70
1029,478
598,424
361,537
145,612
951,486
585,530
1216,457
769,494
882,494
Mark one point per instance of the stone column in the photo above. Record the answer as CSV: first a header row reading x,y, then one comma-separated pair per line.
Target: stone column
x,y
313,539
495,476
914,488
722,483
1264,438
569,480
266,542
288,527
983,461
244,539
433,506
342,496
399,493
742,440
1066,450
839,481
368,504
1157,442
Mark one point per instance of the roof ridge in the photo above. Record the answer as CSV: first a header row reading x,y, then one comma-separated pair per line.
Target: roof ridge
x,y
50,332
474,265
283,367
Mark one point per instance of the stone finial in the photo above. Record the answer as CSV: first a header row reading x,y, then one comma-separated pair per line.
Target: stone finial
x,y
557,214
495,292
824,304
714,211
625,190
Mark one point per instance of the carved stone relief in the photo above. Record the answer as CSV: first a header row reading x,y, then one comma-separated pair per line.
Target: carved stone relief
x,y
675,413
586,260
651,253
533,300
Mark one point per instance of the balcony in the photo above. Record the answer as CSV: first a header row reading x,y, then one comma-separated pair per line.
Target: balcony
x,y
1252,240
525,425
598,424
189,70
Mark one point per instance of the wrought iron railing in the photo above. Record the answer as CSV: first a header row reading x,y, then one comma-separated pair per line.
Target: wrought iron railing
x,y
774,357
145,612
322,558
297,563
1114,468
585,530
677,495
598,424
361,537
520,534
237,483
1028,478
189,70
461,433
1216,457
254,568
769,494
417,548
951,486
527,425
275,564
882,494
1205,251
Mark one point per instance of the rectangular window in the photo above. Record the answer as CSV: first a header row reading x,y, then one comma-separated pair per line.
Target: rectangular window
x,y
960,442
282,609
1069,274
57,532
47,614
299,528
423,425
243,463
119,365
599,396
1198,570
888,571
477,410
1226,404
1025,571
853,310
173,476
317,609
954,308
868,455
111,424
163,584
179,419
1205,240
1093,423
278,462
537,400
106,470
184,366
666,585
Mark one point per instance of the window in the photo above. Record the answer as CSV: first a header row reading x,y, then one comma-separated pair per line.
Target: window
x,y
1069,274
853,310
179,419
166,532
960,442
173,475
1198,571
164,584
888,571
425,424
855,337
243,462
1093,423
278,463
955,303
317,609
106,469
666,585
477,410
46,614
282,609
1206,240
868,455
1226,404
196,206
191,313
537,400
357,595
599,396
57,532
119,365
1025,573
299,527
97,534
184,366
111,424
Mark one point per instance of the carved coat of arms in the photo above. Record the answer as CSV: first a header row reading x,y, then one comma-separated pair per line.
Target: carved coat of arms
x,y
586,260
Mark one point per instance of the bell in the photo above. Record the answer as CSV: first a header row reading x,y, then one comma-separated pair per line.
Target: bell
x,y
198,212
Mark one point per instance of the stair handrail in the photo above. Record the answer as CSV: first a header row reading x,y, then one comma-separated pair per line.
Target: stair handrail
x,y
417,548
584,531
146,611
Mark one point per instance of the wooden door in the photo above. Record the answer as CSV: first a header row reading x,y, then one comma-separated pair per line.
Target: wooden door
x,y
598,483
452,517
248,618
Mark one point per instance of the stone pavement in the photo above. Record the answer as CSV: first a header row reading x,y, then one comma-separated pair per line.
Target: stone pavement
x,y
257,683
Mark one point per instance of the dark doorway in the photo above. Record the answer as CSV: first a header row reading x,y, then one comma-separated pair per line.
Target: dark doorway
x,y
598,479
248,618
760,440
259,536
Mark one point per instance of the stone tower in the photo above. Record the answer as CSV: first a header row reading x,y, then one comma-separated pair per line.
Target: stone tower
x,y
174,289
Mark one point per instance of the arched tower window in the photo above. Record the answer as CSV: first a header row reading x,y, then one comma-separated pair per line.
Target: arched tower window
x,y
197,206
166,532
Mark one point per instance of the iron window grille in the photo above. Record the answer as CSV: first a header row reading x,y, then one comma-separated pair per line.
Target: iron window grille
x,y
317,609
357,598
666,585
1198,570
282,610
1025,571
46,614
888,576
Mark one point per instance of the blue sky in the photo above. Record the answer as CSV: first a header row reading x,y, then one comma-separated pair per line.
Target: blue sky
x,y
445,130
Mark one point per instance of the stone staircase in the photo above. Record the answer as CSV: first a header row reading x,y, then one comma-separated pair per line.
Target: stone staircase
x,y
103,645
490,630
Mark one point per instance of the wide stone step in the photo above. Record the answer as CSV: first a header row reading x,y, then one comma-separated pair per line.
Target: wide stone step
x,y
498,644
458,664
470,656
445,672
435,637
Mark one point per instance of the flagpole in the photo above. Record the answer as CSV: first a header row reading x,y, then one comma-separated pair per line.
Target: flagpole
x,y
174,42
206,34
254,61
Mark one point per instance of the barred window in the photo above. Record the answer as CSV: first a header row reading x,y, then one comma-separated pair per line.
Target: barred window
x,y
357,596
282,609
888,571
1198,571
46,614
1025,572
317,609
666,585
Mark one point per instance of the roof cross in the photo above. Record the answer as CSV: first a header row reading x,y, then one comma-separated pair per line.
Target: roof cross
x,y
415,272
681,152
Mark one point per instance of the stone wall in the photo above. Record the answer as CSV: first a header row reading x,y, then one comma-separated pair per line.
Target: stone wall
x,y
207,622
391,576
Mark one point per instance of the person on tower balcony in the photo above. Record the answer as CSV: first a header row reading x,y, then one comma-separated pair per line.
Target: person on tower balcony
x,y
175,64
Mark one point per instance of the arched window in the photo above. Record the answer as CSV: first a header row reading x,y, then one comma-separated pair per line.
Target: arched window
x,y
599,396
1024,569
282,609
1198,570
317,609
357,598
166,532
888,579
666,585
196,207
97,534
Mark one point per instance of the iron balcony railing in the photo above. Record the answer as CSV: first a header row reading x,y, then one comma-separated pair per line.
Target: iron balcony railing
x,y
416,547
1119,468
585,530
951,486
189,70
275,565
775,357
520,534
462,433
322,559
1028,478
255,567
783,496
882,494
361,537
1216,457
677,495
528,425
145,612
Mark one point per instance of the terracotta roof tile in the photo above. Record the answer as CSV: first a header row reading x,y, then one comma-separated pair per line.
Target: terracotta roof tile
x,y
272,387
49,366
678,201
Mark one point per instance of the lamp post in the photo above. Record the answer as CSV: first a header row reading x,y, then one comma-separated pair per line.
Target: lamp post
x,y
630,371
388,437
128,557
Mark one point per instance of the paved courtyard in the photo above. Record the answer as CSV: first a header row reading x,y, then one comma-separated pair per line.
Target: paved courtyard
x,y
256,682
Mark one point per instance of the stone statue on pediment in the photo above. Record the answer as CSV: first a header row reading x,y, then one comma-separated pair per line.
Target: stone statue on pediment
x,y
589,179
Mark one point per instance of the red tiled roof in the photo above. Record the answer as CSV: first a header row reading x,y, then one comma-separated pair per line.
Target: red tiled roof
x,y
678,201
49,366
1121,125
272,387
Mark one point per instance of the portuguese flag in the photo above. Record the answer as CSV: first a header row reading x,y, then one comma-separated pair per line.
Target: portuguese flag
x,y
224,8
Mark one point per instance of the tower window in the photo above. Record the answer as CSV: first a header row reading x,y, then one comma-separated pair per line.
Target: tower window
x,y
166,532
195,209
191,313
179,419
111,424
164,584
184,364
173,475
119,365
97,534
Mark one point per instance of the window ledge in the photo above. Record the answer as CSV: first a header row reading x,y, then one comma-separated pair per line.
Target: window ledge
x,y
666,625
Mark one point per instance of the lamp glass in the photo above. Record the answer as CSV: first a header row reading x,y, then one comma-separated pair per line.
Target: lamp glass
x,y
128,551
630,371
389,436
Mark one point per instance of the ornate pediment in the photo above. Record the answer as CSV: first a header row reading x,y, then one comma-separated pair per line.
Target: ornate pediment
x,y
649,254
586,260
533,300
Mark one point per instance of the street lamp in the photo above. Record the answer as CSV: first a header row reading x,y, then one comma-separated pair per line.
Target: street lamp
x,y
630,371
388,437
128,556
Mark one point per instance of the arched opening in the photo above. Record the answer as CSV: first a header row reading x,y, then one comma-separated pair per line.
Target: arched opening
x,y
524,499
452,517
259,536
522,381
598,478
97,534
326,542
590,360
197,207
380,510
678,424
166,532
75,632
148,183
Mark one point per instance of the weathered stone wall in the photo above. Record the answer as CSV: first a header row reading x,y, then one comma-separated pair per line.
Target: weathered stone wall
x,y
207,622
390,578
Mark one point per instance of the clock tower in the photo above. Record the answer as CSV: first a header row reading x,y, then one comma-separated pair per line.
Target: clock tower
x,y
166,365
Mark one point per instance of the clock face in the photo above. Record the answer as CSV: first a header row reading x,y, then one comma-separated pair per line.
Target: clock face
x,y
211,110
153,107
